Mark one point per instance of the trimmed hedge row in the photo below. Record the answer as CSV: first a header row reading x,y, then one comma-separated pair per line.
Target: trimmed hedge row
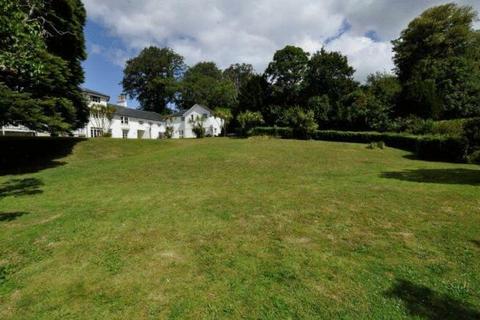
x,y
440,148
28,153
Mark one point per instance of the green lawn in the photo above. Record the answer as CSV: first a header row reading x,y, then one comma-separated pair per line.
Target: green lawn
x,y
229,228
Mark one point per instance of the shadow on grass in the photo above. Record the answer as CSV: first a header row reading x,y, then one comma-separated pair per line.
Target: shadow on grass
x,y
445,176
20,187
22,155
425,303
476,242
10,216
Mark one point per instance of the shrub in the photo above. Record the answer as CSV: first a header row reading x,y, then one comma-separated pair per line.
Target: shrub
x,y
444,148
248,120
415,125
169,132
448,127
199,131
474,157
301,121
440,148
471,129
277,132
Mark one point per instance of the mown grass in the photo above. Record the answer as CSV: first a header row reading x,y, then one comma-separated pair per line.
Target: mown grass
x,y
227,228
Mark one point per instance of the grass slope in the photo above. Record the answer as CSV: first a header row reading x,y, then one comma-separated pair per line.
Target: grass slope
x,y
225,228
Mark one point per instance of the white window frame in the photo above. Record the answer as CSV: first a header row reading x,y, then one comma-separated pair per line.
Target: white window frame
x,y
95,99
124,120
96,132
125,134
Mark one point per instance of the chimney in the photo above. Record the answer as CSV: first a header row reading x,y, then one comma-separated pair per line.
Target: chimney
x,y
122,100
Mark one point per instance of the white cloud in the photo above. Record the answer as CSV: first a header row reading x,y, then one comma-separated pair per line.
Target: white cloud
x,y
364,54
252,30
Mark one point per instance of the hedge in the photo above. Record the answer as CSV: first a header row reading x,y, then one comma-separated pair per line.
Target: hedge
x,y
437,147
26,154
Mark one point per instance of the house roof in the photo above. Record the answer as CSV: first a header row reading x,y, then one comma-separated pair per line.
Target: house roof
x,y
135,113
182,112
89,91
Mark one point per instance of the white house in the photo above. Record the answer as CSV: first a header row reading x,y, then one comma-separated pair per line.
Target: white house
x,y
130,123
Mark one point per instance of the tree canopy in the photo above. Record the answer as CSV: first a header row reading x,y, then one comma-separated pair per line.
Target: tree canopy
x,y
437,61
153,78
239,74
205,84
328,73
286,74
40,64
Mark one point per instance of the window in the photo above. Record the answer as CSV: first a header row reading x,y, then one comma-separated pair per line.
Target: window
x,y
124,120
95,99
191,117
96,132
141,122
205,115
183,118
180,132
124,134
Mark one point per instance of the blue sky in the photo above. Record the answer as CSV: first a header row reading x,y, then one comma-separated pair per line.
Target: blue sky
x,y
102,73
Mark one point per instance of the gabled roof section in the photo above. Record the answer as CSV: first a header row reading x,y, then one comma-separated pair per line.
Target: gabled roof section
x,y
182,112
89,91
135,113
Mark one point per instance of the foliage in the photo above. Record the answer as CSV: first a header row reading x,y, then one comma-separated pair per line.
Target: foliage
x,y
286,74
474,157
361,110
277,132
443,148
328,73
427,147
438,64
322,109
415,125
385,87
153,78
226,115
169,131
301,121
239,75
42,50
471,129
248,120
101,116
204,84
198,126
254,94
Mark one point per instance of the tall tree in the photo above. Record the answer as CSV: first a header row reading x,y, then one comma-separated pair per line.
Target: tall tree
x,y
40,64
204,84
153,78
386,89
437,61
329,73
286,74
239,74
254,94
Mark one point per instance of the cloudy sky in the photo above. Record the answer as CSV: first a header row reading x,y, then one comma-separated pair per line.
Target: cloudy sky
x,y
250,31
